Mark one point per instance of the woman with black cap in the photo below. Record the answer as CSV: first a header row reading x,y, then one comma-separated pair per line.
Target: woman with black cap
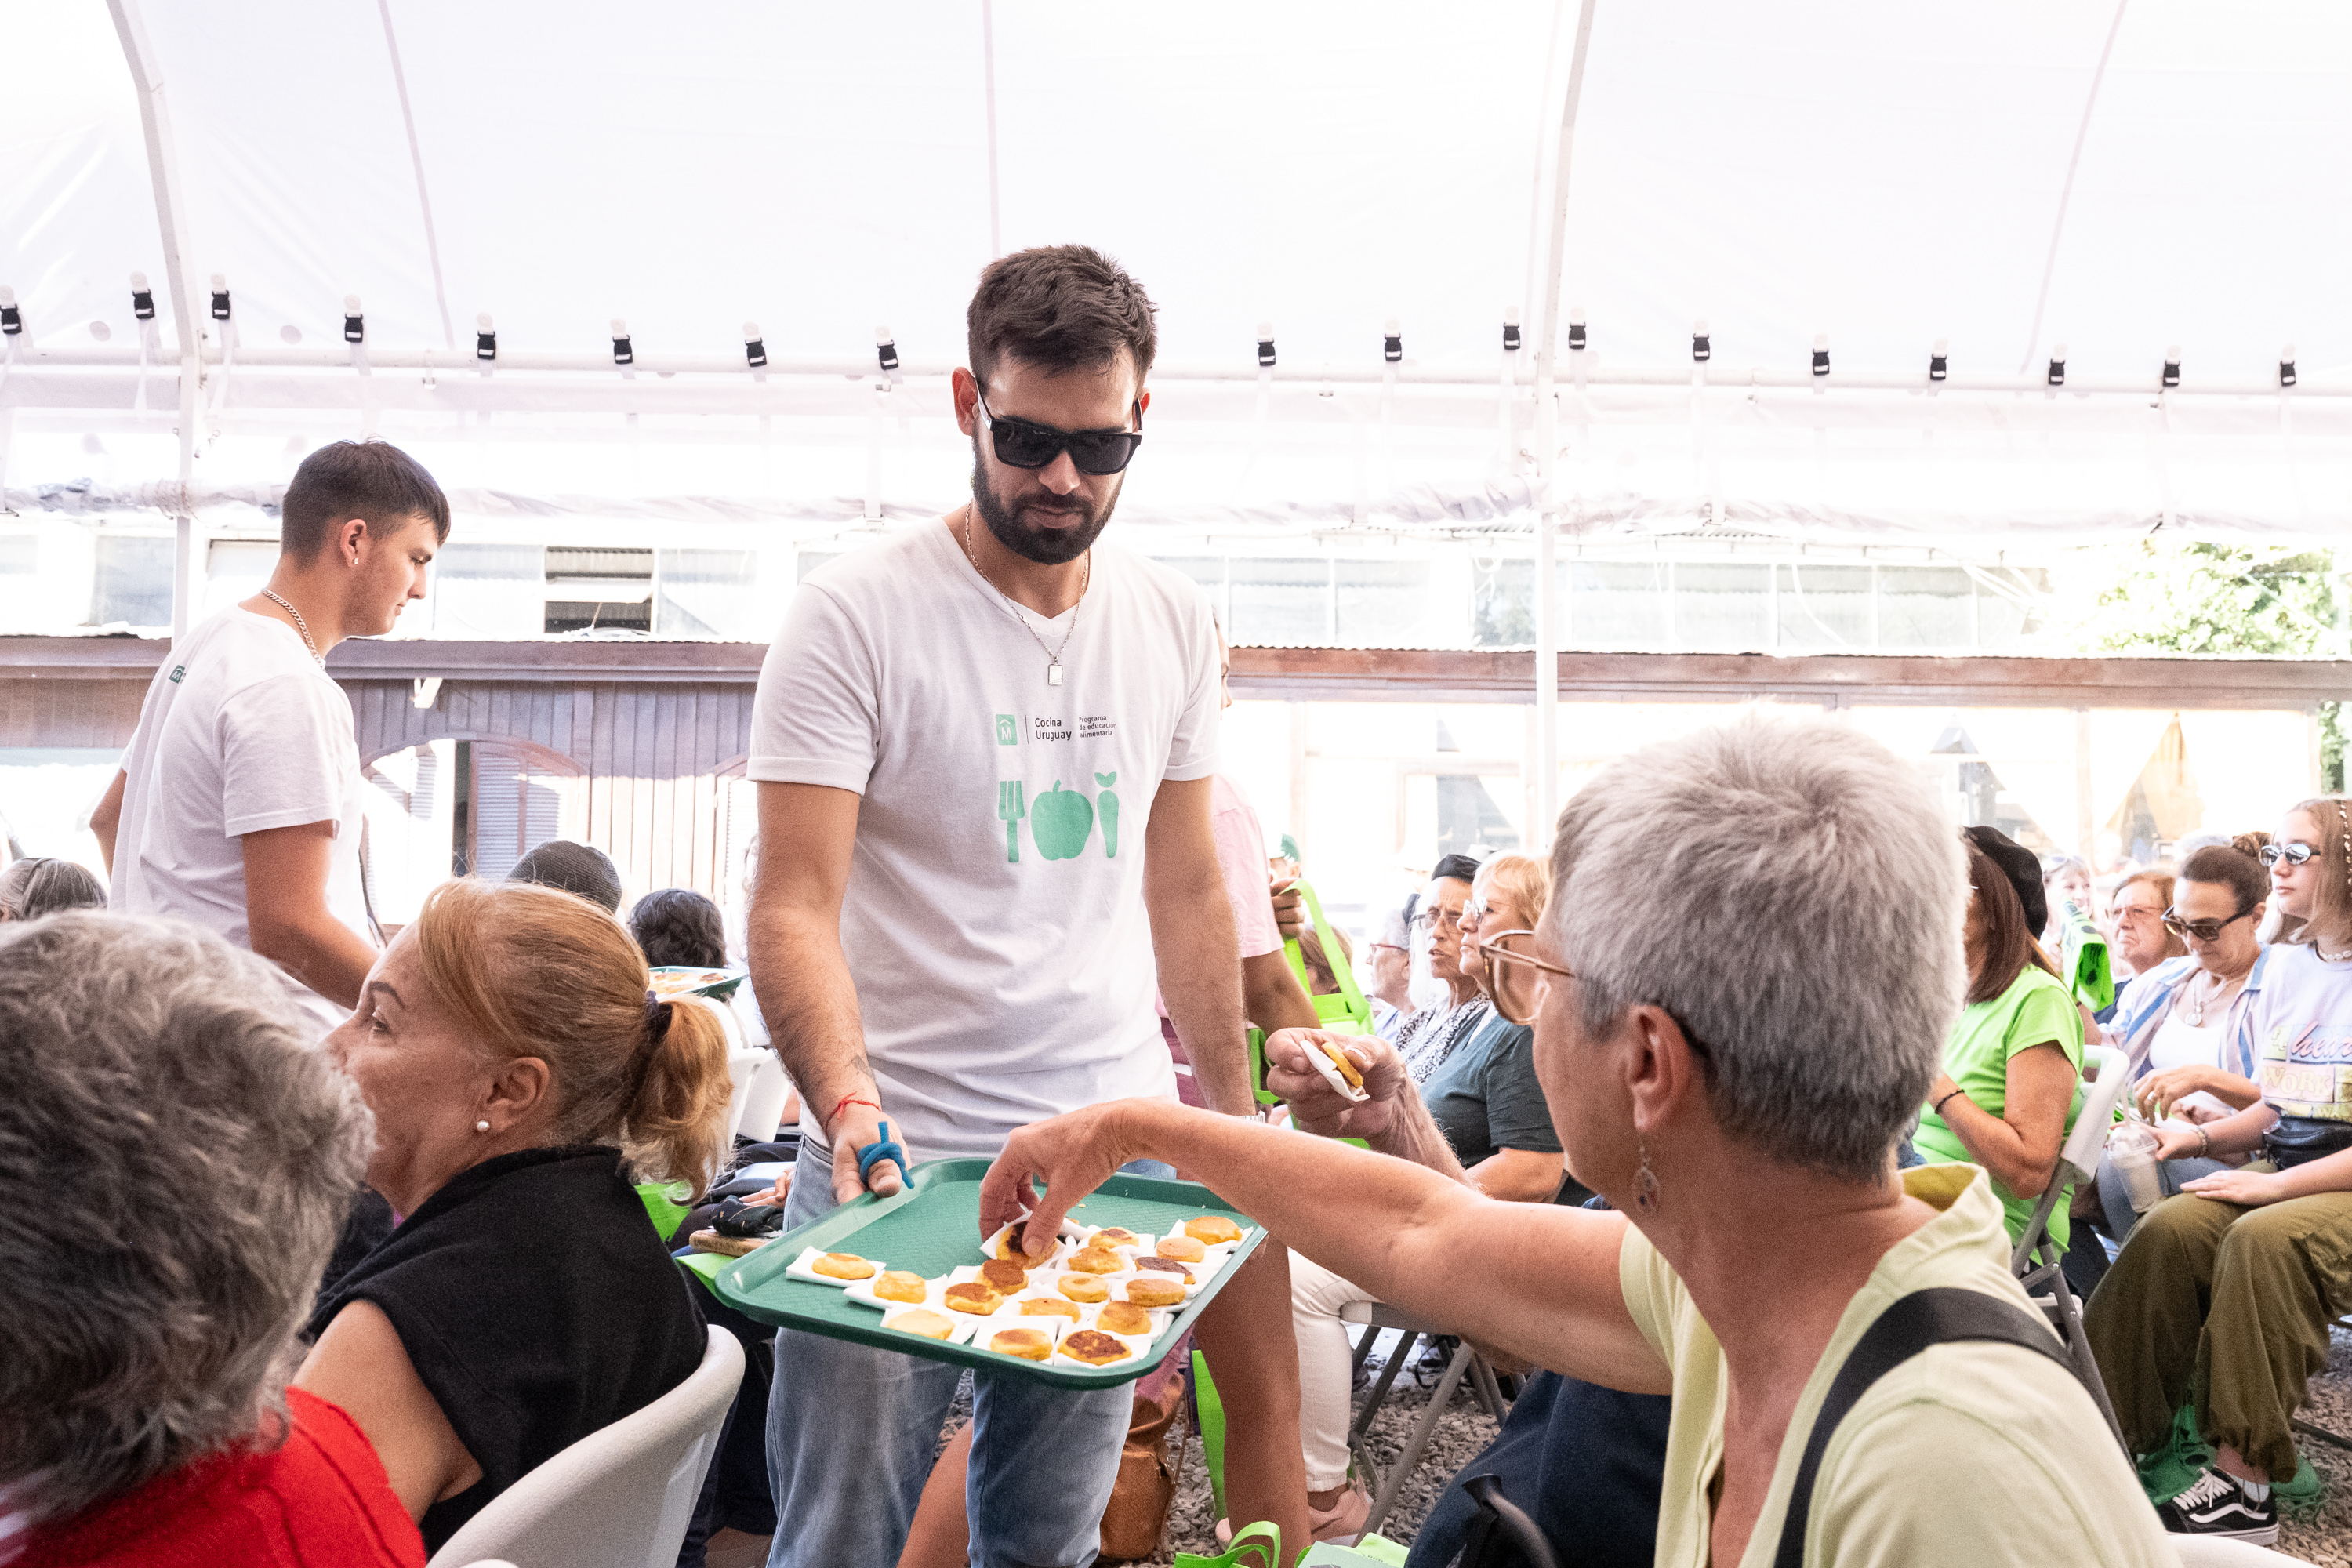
x,y
2015,1053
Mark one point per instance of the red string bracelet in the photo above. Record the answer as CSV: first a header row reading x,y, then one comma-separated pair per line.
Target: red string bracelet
x,y
845,1101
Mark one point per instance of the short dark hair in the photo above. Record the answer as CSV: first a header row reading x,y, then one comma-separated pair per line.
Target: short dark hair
x,y
2235,866
1060,308
679,926
372,481
2009,941
570,866
38,885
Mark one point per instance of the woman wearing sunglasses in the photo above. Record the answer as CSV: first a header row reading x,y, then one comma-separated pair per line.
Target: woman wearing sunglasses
x,y
2187,1023
2225,1292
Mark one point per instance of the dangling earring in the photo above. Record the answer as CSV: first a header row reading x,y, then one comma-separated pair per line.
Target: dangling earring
x,y
1645,1183
485,1127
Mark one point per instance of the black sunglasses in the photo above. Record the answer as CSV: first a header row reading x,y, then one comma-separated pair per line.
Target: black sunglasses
x,y
2203,931
1025,444
2292,854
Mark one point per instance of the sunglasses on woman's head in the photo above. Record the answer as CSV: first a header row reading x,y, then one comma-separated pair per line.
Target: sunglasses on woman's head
x,y
2292,854
1025,444
2203,931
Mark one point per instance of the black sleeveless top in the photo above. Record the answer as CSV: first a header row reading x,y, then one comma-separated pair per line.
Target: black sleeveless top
x,y
537,1305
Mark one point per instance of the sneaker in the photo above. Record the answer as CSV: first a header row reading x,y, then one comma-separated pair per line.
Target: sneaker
x,y
2216,1504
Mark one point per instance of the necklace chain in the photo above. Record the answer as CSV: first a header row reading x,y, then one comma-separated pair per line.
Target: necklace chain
x,y
1053,655
299,625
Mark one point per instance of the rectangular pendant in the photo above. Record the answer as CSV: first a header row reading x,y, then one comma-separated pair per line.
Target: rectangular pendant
x,y
1053,674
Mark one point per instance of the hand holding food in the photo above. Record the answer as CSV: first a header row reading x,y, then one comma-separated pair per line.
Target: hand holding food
x,y
1302,1065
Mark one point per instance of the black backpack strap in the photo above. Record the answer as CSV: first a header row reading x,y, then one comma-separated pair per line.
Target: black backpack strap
x,y
1913,1323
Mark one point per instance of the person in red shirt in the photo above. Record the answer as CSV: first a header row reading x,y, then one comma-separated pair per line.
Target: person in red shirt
x,y
182,1163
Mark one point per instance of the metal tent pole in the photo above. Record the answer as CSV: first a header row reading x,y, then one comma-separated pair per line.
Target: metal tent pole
x,y
1546,792
171,221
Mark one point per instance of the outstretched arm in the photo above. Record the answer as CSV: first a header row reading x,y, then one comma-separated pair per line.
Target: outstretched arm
x,y
1538,1282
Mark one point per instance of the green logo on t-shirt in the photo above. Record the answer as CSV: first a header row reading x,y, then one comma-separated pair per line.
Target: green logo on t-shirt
x,y
178,670
1007,732
1061,820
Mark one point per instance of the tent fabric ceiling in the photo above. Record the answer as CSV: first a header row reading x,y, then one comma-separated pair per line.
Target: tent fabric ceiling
x,y
1884,176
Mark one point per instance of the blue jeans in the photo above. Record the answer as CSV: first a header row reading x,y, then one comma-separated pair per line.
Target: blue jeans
x,y
851,1432
2115,1198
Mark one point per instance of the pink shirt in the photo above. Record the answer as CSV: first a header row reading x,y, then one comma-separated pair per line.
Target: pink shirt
x,y
1241,851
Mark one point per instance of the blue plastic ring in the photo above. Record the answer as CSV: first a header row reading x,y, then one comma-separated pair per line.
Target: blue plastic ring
x,y
883,1147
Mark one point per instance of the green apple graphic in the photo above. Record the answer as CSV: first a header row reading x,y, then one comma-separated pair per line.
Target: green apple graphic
x,y
1060,820
1108,803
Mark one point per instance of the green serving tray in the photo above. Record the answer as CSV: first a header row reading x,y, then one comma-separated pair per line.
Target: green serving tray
x,y
932,1227
719,990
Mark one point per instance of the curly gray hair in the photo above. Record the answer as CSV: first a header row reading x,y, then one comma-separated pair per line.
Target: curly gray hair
x,y
1788,892
179,1162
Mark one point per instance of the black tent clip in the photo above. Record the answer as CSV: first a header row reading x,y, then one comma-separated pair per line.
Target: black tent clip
x,y
143,299
755,348
486,338
1938,361
354,321
621,353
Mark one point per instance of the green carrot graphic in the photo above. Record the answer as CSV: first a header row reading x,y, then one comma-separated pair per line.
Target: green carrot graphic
x,y
1107,805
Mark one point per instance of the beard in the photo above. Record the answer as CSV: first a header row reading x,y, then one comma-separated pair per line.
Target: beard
x,y
1031,541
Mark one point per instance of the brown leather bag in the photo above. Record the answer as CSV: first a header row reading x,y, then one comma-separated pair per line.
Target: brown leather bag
x,y
1146,1490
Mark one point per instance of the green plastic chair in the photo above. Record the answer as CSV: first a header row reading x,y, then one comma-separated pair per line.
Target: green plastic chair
x,y
1255,1546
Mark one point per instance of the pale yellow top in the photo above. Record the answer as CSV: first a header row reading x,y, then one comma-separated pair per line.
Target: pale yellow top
x,y
1967,1455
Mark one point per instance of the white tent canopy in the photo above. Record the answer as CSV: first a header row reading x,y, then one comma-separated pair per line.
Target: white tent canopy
x,y
2119,179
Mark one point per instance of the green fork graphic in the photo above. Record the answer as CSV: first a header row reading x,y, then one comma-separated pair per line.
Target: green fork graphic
x,y
1010,811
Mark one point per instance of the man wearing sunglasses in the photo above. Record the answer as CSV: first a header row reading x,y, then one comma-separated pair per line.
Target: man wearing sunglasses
x,y
985,748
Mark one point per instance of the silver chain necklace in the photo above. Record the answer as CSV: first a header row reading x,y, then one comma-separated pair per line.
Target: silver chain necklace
x,y
299,625
1053,655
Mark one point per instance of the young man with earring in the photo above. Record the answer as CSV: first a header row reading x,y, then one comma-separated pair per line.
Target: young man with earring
x,y
984,750
237,805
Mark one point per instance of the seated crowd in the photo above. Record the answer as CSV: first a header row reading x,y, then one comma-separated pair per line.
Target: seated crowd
x,y
1719,1122
508,1076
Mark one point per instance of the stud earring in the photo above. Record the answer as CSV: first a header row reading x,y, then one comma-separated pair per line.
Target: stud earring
x,y
485,1127
1645,1183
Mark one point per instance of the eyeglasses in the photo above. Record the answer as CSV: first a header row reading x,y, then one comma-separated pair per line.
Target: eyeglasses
x,y
2203,931
2292,854
1428,917
1500,960
1025,444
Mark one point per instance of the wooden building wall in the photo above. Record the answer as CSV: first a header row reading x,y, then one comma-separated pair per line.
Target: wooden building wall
x,y
653,758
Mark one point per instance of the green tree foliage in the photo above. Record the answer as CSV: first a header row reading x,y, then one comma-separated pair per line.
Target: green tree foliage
x,y
2193,597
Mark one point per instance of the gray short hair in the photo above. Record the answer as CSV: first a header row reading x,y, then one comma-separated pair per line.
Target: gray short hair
x,y
1789,891
179,1165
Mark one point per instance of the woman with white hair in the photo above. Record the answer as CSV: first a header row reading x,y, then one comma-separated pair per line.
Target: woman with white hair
x,y
1750,958
522,1076
177,1163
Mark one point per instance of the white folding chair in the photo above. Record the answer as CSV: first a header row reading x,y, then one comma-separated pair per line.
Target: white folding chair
x,y
2078,1163
1376,1317
743,1069
763,1100
619,1498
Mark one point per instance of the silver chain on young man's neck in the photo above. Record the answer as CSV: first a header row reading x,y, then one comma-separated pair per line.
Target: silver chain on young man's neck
x,y
299,625
1053,655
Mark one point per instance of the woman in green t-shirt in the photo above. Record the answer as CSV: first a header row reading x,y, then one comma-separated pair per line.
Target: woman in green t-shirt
x,y
2013,1061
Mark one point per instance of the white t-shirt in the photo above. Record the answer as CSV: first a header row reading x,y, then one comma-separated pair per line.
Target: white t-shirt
x,y
2178,1043
994,921
2302,1020
241,731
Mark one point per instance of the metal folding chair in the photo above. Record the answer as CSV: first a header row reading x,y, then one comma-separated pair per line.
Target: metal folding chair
x,y
2044,1280
1465,1361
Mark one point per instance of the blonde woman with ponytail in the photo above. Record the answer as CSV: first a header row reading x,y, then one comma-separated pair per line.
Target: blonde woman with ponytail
x,y
523,1076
